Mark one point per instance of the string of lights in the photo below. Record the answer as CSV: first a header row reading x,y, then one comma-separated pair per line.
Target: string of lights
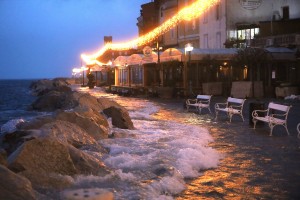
x,y
188,13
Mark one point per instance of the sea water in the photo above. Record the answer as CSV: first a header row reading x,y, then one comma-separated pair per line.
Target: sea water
x,y
15,101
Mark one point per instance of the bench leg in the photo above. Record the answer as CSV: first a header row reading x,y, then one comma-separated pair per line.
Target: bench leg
x,y
242,117
230,116
254,123
286,129
199,110
271,127
187,108
216,115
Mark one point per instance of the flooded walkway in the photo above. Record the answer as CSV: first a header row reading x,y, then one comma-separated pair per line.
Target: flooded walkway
x,y
255,165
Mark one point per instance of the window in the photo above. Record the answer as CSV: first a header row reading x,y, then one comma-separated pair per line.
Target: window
x,y
205,42
172,33
247,33
218,40
218,12
205,17
285,12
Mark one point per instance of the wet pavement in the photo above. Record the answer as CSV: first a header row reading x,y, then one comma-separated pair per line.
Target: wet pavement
x,y
255,165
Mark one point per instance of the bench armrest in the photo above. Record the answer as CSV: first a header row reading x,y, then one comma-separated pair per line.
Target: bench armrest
x,y
219,105
256,113
191,101
278,115
235,106
203,101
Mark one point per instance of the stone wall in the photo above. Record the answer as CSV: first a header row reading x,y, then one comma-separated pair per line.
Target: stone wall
x,y
243,89
214,88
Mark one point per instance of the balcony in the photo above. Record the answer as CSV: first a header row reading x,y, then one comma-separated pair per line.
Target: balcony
x,y
279,40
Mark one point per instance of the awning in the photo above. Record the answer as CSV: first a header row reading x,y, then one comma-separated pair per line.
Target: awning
x,y
282,53
171,54
135,59
218,54
97,68
120,61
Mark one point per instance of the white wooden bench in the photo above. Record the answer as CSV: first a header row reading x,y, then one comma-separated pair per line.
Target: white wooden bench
x,y
201,102
275,114
233,106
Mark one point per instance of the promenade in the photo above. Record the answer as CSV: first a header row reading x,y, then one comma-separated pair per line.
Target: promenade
x,y
255,165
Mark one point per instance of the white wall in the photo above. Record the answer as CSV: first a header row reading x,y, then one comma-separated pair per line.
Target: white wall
x,y
233,13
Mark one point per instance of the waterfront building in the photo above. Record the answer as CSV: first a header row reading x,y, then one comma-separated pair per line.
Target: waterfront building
x,y
200,55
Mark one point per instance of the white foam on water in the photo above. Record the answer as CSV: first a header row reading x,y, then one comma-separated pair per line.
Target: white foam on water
x,y
154,162
11,125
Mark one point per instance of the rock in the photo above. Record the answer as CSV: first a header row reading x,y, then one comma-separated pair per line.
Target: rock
x,y
87,194
42,155
70,127
44,86
86,164
120,117
107,103
36,123
14,186
3,157
13,140
68,133
93,123
48,102
86,100
65,100
49,161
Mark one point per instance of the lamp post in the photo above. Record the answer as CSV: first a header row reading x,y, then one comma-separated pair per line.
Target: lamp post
x,y
188,48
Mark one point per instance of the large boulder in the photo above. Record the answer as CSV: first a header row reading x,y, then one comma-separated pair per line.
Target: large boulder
x,y
35,123
93,123
43,86
65,100
62,130
48,102
14,186
42,155
90,121
120,117
3,157
67,133
86,163
48,163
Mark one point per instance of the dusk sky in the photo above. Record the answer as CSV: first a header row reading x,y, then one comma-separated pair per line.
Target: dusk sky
x,y
44,38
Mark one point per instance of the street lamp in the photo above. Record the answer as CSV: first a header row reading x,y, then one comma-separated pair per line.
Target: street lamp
x,y
189,48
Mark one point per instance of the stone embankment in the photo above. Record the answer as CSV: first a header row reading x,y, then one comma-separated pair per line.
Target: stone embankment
x,y
43,156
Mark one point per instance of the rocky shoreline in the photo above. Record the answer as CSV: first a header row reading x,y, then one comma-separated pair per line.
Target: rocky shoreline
x,y
41,158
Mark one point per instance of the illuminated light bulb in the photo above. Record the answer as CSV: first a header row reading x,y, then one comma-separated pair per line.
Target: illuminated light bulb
x,y
188,13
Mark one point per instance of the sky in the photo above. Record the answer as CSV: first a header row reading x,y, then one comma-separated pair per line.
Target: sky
x,y
45,38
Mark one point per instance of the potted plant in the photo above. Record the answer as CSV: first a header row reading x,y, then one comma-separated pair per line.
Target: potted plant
x,y
91,80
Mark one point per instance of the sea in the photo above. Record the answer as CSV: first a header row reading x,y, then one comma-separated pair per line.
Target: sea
x,y
153,161
15,101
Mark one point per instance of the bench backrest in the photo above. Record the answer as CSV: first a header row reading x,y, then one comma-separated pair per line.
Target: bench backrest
x,y
235,100
279,107
201,96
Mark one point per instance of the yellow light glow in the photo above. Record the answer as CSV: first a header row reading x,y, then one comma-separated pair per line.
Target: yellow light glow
x,y
187,13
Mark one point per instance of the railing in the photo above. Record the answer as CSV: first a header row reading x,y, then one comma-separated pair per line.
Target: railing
x,y
280,40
